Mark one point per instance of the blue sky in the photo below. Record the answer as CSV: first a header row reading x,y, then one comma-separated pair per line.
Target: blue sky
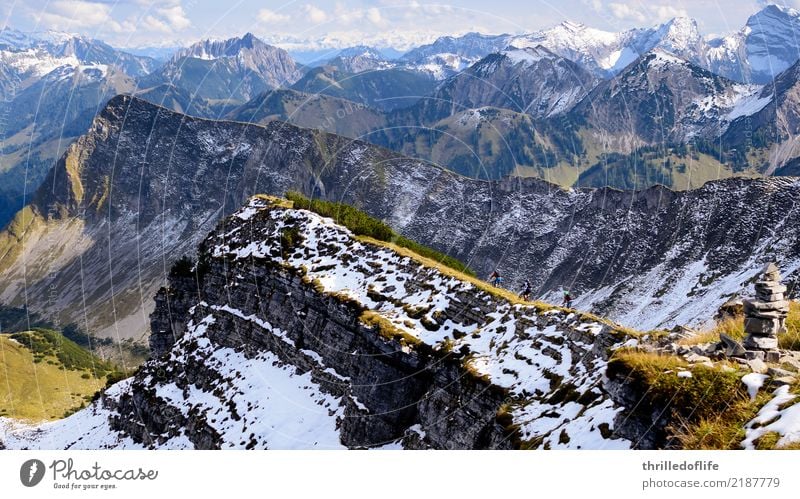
x,y
339,23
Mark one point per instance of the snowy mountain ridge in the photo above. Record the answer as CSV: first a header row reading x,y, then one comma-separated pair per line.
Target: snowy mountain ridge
x,y
764,47
360,58
351,345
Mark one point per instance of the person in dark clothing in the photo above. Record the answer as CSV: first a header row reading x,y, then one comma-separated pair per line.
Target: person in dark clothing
x,y
526,291
567,298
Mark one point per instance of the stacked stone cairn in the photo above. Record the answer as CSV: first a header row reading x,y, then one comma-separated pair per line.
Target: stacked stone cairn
x,y
765,316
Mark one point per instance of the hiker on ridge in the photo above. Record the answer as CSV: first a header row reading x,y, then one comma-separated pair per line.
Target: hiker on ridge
x,y
526,291
567,299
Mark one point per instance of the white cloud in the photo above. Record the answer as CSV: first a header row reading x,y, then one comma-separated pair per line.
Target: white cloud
x,y
163,16
267,16
344,14
624,11
164,20
414,8
645,14
315,14
175,16
435,9
153,23
77,14
374,16
667,12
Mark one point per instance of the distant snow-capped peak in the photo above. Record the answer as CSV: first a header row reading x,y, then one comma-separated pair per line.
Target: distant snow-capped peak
x,y
360,51
528,55
211,49
20,40
679,33
360,58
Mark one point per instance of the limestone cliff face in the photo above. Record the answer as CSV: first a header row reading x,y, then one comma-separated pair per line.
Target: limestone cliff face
x,y
293,333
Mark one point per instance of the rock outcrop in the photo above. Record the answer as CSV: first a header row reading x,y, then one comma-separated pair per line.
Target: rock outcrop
x,y
295,334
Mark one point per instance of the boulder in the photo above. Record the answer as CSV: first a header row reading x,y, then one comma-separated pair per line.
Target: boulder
x,y
790,363
681,332
761,342
732,347
770,272
752,354
696,359
706,349
768,314
757,366
770,297
776,372
762,326
783,380
770,287
765,306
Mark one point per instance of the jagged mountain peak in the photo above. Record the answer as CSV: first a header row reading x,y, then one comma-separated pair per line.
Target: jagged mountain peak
x,y
230,47
679,34
17,39
84,49
13,38
774,19
236,69
657,62
359,58
470,47
664,99
774,12
360,51
512,56
680,25
568,38
572,25
580,30
530,80
606,53
768,43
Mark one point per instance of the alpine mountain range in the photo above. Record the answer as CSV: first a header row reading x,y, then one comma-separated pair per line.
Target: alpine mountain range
x,y
156,202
